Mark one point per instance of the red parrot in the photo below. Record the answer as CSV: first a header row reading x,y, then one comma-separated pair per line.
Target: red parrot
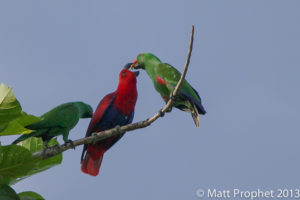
x,y
114,109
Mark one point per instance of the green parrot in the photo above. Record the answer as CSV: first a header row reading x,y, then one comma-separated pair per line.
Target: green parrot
x,y
165,78
58,121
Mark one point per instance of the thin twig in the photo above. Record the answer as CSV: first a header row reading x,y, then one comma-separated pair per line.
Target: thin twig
x,y
55,150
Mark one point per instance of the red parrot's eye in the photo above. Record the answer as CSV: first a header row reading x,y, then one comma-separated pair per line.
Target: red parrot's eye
x,y
124,73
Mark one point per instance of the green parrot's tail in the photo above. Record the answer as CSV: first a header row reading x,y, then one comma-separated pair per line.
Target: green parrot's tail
x,y
32,134
23,137
192,108
192,105
195,114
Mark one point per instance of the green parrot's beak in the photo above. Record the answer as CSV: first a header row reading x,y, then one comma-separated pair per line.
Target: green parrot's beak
x,y
130,65
133,64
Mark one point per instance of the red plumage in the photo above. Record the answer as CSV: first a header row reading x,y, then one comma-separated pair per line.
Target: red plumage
x,y
116,108
160,80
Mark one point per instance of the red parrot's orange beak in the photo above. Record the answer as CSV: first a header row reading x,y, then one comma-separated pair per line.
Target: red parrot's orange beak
x,y
133,63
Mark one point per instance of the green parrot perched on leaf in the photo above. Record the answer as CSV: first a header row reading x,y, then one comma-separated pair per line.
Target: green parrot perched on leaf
x,y
58,121
165,78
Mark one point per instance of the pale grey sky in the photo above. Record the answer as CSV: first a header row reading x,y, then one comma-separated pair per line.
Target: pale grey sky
x,y
245,66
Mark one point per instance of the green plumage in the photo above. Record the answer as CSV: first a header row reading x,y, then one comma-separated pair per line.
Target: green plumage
x,y
58,121
165,77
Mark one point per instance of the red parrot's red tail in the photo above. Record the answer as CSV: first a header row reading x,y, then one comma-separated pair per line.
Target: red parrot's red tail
x,y
92,160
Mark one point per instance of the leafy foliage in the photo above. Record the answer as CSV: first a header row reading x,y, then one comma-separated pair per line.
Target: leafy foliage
x,y
17,126
8,193
12,119
17,161
28,195
10,108
34,144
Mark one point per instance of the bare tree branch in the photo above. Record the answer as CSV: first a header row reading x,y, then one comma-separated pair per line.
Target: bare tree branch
x,y
55,150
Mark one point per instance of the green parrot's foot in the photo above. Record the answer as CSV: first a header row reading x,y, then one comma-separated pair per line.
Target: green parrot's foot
x,y
161,113
44,153
46,148
71,143
46,144
169,110
172,97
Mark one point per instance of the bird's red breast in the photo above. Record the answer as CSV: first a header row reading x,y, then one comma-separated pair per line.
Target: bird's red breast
x,y
126,94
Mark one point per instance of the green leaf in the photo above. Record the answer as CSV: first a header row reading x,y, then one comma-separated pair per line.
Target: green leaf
x,y
10,108
6,180
17,126
12,119
34,144
7,193
15,162
28,195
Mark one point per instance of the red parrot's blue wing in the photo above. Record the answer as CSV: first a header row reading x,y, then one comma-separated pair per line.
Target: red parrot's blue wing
x,y
103,107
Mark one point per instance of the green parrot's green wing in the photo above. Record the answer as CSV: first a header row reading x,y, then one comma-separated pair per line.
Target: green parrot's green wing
x,y
65,116
171,76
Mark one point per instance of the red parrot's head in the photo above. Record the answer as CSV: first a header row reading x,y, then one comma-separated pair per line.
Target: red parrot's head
x,y
126,76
